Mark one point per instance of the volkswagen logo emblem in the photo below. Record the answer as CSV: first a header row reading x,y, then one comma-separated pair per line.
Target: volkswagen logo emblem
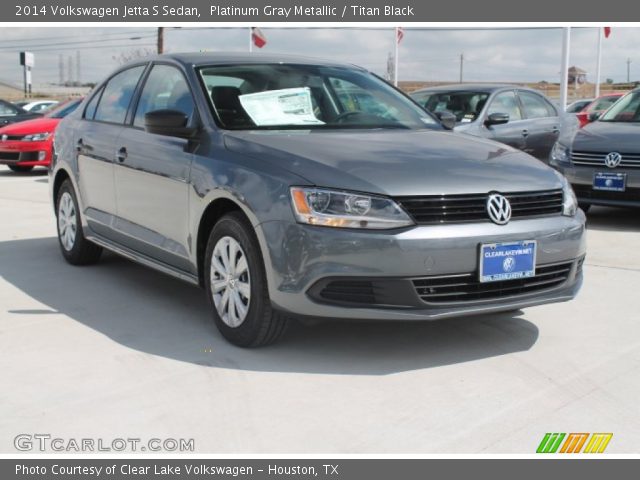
x,y
509,264
613,159
499,209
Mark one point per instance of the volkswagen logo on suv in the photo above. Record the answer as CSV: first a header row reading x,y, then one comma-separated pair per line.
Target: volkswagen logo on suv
x,y
613,159
499,209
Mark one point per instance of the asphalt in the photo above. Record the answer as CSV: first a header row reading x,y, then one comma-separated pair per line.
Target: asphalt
x,y
120,351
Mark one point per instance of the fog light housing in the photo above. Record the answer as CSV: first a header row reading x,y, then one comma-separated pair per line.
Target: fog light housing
x,y
42,155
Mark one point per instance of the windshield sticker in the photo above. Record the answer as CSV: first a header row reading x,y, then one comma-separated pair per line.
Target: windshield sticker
x,y
289,106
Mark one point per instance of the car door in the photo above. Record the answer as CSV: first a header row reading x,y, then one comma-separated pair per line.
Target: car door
x,y
543,124
513,132
152,174
95,139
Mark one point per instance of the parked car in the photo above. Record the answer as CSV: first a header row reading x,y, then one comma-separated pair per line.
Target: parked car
x,y
249,176
38,106
602,160
27,144
597,108
579,105
516,116
10,113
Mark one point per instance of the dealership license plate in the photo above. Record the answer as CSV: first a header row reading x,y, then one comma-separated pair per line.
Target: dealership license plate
x,y
612,182
507,261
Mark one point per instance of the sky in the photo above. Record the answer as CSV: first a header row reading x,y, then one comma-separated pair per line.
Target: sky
x,y
508,55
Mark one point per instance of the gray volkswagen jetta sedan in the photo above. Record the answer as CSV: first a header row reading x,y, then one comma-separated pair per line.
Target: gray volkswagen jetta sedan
x,y
602,160
291,187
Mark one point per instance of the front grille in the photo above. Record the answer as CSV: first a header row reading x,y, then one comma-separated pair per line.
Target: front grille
x,y
9,156
466,287
349,291
596,159
586,192
473,207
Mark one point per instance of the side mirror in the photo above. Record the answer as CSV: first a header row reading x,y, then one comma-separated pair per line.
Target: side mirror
x,y
593,116
497,119
171,123
447,119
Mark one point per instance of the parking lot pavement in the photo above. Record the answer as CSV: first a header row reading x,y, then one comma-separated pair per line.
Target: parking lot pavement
x,y
117,350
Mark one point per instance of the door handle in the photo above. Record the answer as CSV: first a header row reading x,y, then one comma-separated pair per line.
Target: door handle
x,y
525,133
121,154
79,146
555,130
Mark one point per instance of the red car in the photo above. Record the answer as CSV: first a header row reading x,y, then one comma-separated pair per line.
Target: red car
x,y
599,105
28,144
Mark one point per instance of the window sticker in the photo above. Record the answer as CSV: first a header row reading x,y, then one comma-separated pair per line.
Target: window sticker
x,y
289,106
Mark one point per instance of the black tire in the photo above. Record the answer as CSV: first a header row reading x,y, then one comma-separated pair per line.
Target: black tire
x,y
585,207
82,251
263,324
19,169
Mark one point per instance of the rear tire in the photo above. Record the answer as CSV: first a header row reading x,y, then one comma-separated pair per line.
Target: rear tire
x,y
76,249
19,169
236,285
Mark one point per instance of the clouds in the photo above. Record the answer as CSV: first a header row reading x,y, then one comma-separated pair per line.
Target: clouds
x,y
514,55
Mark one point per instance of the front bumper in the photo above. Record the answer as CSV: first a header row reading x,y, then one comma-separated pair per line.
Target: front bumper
x,y
300,259
25,154
581,178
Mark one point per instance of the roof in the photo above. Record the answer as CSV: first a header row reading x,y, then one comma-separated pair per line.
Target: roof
x,y
468,87
208,58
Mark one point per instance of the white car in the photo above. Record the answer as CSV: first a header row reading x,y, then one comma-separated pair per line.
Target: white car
x,y
37,106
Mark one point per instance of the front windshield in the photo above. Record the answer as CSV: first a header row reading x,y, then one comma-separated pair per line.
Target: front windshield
x,y
466,106
627,109
64,109
277,96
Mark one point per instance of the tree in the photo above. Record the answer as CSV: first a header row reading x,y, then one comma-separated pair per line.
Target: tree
x,y
126,57
609,81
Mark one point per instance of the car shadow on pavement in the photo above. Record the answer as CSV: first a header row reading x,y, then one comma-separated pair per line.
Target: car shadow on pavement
x,y
36,172
614,219
156,314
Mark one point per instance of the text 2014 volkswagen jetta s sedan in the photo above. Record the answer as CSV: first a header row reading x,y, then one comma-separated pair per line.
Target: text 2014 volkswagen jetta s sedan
x,y
287,186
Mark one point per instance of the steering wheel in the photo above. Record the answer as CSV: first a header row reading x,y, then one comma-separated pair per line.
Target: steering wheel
x,y
345,115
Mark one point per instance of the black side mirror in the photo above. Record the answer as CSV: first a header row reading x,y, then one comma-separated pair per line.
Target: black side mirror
x,y
593,116
447,119
171,123
497,119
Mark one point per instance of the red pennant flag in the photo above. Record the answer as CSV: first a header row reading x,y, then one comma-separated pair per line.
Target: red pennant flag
x,y
399,34
607,32
259,40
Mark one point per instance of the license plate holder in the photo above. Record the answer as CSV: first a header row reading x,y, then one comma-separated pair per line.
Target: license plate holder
x,y
609,181
507,261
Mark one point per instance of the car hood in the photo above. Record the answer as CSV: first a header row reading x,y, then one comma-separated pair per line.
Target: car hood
x,y
397,162
37,125
608,137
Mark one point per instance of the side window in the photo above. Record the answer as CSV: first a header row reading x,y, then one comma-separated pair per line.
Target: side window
x,y
90,111
506,102
117,96
165,88
536,106
7,110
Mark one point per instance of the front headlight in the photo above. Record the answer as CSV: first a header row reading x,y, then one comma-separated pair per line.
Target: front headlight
x,y
330,208
560,153
36,137
569,200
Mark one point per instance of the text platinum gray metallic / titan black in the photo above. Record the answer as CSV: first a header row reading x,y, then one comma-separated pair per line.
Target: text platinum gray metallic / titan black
x,y
292,187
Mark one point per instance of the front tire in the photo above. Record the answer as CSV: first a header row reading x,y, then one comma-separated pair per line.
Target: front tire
x,y
19,169
76,249
236,285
